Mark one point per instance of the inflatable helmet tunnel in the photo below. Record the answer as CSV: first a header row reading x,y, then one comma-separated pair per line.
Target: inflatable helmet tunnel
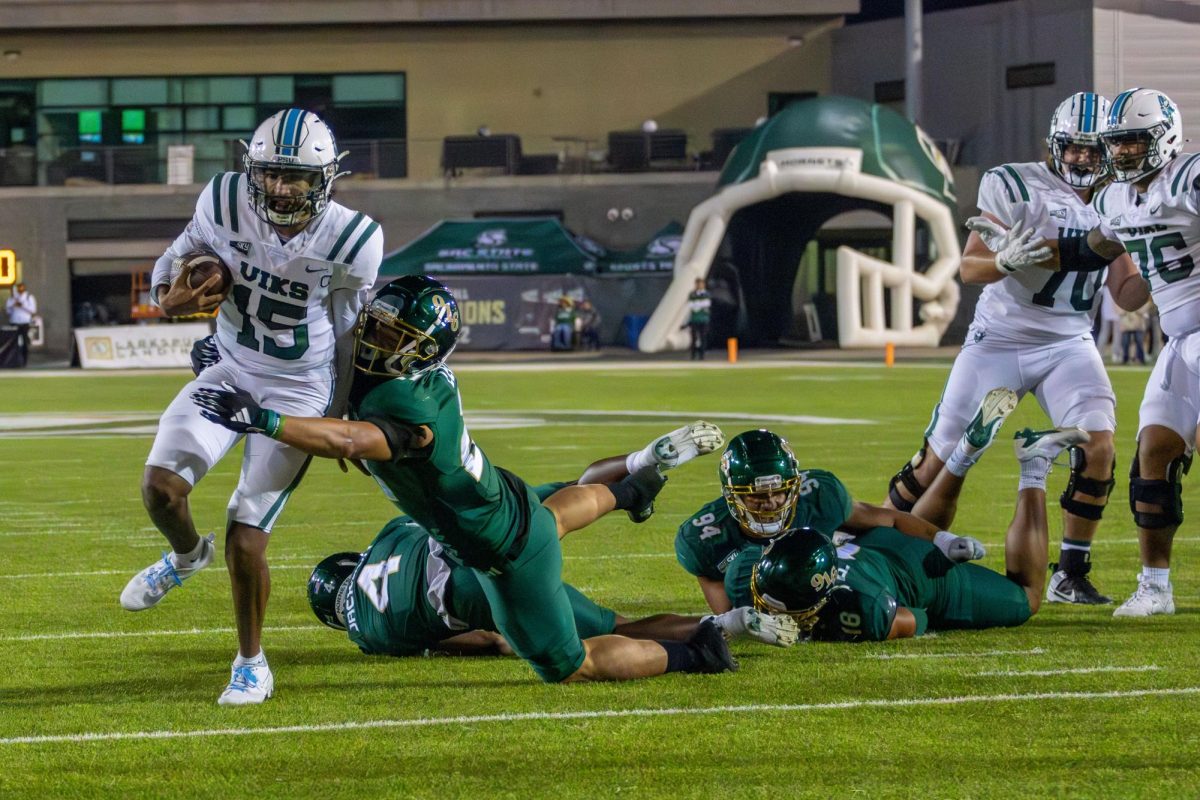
x,y
814,160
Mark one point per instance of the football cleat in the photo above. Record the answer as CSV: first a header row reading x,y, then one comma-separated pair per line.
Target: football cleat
x,y
993,410
1077,589
680,446
152,584
711,649
249,684
647,483
1149,599
779,630
1030,444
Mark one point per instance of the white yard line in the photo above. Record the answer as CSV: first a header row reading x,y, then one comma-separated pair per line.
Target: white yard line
x,y
1036,651
1045,673
537,716
53,637
305,563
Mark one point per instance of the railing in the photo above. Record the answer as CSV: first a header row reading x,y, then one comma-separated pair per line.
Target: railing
x,y
420,159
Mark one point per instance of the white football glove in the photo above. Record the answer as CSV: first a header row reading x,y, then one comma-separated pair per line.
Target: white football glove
x,y
779,630
682,445
1014,250
959,548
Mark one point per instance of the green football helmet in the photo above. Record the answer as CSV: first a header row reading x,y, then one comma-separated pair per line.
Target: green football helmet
x,y
410,327
795,575
328,586
760,481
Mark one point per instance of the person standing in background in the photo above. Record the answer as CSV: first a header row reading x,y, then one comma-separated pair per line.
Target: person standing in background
x,y
21,308
562,333
589,325
1110,325
699,315
1133,332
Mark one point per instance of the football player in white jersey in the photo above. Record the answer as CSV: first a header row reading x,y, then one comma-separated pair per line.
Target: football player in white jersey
x,y
1153,205
1032,333
301,264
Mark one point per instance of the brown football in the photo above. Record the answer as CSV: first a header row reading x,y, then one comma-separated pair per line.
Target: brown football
x,y
204,264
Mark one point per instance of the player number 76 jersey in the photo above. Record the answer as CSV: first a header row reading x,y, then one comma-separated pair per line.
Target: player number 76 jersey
x,y
1161,231
1037,306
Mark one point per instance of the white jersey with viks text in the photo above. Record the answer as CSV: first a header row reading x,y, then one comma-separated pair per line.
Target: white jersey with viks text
x,y
1161,231
277,318
1037,306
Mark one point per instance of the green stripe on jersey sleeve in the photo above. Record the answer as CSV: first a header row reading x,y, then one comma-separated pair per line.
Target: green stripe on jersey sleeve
x,y
234,178
1017,180
1012,198
367,234
1182,172
216,198
341,240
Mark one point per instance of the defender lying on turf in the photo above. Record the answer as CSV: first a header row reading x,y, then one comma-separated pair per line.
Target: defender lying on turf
x,y
407,425
403,596
882,584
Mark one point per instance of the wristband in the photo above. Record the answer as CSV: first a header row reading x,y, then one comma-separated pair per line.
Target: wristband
x,y
272,423
1076,255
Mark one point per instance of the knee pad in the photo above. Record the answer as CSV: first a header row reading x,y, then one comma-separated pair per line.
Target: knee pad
x,y
1078,482
907,477
1166,494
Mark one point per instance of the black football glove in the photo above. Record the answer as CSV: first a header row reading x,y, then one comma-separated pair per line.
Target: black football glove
x,y
235,409
204,354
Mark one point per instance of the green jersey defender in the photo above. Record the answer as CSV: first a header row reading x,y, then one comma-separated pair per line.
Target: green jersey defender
x,y
407,426
403,597
764,493
879,585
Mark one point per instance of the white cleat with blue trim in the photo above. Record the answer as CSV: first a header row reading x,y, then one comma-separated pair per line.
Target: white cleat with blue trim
x,y
152,584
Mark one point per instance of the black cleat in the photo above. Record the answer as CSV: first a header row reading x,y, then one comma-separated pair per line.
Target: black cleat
x,y
711,649
646,483
1077,589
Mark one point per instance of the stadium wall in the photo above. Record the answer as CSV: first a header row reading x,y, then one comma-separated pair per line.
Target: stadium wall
x,y
1153,51
966,55
538,81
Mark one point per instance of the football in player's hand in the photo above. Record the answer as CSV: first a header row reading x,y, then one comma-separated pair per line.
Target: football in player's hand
x,y
203,264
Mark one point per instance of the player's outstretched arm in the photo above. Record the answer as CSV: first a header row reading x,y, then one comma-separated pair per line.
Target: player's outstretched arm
x,y
994,252
904,626
864,516
236,409
1126,285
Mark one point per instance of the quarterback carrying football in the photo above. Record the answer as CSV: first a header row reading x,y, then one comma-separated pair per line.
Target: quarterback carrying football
x,y
300,264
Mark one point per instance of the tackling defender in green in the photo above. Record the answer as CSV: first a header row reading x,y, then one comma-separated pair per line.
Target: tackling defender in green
x,y
407,426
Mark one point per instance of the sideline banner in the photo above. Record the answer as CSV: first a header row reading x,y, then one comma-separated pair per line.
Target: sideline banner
x,y
137,346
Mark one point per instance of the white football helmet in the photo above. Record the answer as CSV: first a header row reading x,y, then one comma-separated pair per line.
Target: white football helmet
x,y
1143,134
1078,120
297,151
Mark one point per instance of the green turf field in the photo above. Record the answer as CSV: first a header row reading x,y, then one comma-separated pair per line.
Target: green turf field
x,y
99,702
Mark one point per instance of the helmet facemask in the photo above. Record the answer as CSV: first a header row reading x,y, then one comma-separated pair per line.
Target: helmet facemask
x,y
384,344
1141,154
1078,174
287,196
806,618
765,508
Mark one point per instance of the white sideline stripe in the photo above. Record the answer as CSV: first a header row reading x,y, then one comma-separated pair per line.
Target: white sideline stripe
x,y
1041,673
605,714
1036,651
41,637
307,564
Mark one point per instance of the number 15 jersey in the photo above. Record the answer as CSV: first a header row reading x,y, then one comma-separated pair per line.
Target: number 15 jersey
x,y
1161,231
277,318
1036,306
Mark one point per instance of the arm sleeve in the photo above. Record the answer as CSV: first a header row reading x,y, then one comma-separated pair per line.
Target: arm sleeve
x,y
32,304
922,618
853,616
344,307
363,270
192,237
826,507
